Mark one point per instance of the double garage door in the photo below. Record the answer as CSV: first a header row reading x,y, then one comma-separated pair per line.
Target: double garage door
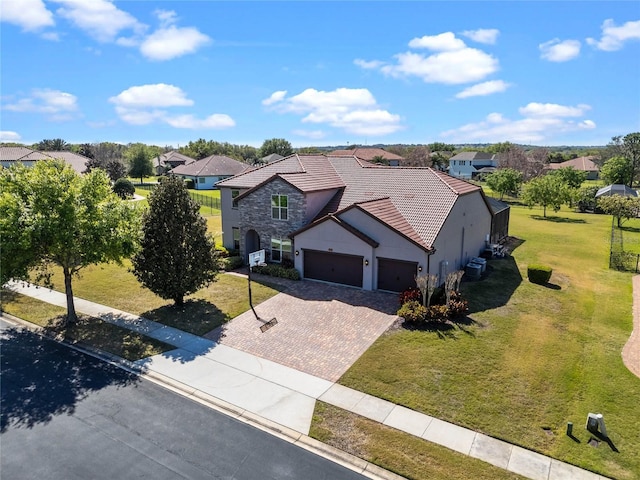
x,y
393,275
333,267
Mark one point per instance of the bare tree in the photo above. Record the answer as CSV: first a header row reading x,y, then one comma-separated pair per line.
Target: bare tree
x,y
419,156
427,285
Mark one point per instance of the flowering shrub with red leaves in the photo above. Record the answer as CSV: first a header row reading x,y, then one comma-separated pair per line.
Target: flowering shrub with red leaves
x,y
410,294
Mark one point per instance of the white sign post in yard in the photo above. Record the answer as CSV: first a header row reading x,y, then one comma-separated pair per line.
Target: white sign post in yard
x,y
256,259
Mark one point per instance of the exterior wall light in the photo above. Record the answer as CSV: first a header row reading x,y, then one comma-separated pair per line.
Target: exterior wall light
x,y
297,252
419,268
366,262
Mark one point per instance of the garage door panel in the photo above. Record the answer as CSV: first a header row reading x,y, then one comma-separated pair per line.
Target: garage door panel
x,y
333,267
396,275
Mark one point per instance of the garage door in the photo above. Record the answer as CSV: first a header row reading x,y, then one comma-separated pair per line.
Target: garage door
x,y
396,275
333,267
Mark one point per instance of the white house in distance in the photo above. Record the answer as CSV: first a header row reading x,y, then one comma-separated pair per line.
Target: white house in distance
x,y
468,165
343,220
206,172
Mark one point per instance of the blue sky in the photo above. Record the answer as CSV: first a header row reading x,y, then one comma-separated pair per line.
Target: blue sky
x,y
319,73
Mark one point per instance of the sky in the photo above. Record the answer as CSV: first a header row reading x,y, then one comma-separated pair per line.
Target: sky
x,y
319,73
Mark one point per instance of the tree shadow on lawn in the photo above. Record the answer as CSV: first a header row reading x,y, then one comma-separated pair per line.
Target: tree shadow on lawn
x,y
558,219
42,379
195,316
630,229
445,329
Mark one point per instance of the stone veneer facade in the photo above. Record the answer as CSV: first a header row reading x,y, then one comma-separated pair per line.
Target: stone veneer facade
x,y
255,214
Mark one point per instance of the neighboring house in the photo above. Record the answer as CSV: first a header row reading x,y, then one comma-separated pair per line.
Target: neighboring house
x,y
271,158
368,154
27,156
170,160
469,165
616,189
206,172
342,220
583,164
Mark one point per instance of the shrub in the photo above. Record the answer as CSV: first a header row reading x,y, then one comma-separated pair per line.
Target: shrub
x,y
413,311
188,182
232,263
275,270
124,188
221,251
457,305
410,294
539,274
439,313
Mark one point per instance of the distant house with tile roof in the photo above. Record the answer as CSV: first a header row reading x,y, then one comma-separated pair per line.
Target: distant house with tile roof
x,y
583,164
28,156
170,160
271,158
344,220
368,154
469,165
207,172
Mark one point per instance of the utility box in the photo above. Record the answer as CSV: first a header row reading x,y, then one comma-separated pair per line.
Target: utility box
x,y
480,261
595,424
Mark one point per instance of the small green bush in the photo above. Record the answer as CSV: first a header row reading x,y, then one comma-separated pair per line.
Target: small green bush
x,y
539,274
221,251
413,311
275,270
232,263
124,188
437,313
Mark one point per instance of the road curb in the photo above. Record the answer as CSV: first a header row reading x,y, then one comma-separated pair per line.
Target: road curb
x,y
312,445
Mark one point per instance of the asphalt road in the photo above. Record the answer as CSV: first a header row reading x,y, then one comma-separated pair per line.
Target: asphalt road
x,y
65,415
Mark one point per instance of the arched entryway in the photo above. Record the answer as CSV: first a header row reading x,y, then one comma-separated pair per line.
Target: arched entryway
x,y
251,243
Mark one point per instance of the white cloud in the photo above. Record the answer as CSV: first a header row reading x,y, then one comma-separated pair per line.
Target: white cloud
x,y
483,35
613,37
55,104
485,88
352,110
312,134
100,19
217,120
559,51
146,104
373,64
540,123
443,42
9,136
51,36
171,42
166,17
275,97
553,110
31,15
155,95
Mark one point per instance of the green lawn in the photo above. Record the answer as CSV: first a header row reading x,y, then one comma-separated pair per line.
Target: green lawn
x,y
117,287
205,211
88,330
532,357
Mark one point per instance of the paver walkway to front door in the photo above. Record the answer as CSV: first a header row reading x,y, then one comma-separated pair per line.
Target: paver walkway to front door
x,y
322,329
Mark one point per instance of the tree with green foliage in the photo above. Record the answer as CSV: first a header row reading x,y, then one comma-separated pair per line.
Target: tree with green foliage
x,y
616,170
140,165
501,147
124,188
546,191
441,147
569,175
54,145
629,148
505,181
50,215
622,208
177,255
585,198
276,145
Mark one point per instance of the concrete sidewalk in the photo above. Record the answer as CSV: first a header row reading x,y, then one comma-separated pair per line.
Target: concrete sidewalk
x,y
248,383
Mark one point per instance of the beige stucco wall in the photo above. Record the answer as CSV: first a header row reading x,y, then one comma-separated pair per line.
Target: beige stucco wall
x,y
316,201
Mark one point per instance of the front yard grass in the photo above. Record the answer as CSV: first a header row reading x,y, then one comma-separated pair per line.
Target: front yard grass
x,y
88,330
533,357
115,286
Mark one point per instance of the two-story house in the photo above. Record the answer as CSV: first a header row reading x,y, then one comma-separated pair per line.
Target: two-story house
x,y
468,165
343,220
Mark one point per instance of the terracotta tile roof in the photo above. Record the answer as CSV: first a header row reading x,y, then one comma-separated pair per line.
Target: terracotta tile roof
x,y
585,164
413,201
368,154
213,166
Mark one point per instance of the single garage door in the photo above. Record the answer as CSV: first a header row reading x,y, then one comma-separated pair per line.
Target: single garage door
x,y
396,275
333,267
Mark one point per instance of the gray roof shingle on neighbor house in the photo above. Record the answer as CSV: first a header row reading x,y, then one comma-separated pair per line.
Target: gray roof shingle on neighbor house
x,y
172,158
77,162
271,158
473,156
212,166
411,200
584,164
367,153
12,154
24,154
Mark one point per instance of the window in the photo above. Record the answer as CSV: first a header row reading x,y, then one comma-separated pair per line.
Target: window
x,y
234,194
201,179
279,207
280,249
236,238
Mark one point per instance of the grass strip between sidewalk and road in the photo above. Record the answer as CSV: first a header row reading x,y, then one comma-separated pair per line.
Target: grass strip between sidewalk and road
x,y
87,330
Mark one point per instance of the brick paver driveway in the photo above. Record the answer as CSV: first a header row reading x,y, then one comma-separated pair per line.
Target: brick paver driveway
x,y
322,329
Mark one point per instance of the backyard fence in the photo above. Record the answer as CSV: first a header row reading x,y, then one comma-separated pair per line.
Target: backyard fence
x,y
619,259
203,200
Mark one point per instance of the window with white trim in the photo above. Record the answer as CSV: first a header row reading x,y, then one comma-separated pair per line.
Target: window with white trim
x,y
280,249
279,207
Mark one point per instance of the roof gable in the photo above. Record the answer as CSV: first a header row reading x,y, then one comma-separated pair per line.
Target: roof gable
x,y
212,166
